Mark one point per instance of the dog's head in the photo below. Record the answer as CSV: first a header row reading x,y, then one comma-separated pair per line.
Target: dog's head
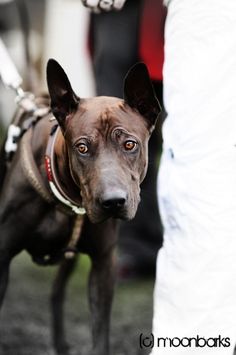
x,y
107,140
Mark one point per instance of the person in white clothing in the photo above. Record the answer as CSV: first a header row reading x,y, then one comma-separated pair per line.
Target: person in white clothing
x,y
195,292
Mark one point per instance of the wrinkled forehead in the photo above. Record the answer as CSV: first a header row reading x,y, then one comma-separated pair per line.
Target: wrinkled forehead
x,y
102,114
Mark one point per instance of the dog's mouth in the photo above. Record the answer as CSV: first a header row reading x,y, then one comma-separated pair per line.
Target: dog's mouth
x,y
99,215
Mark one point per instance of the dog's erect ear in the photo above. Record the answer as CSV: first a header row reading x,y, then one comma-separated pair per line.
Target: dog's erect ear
x,y
63,99
139,93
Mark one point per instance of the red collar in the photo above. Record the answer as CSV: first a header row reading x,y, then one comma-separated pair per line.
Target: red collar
x,y
54,184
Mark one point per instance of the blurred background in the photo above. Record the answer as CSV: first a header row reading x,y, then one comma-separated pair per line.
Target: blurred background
x,y
54,29
96,50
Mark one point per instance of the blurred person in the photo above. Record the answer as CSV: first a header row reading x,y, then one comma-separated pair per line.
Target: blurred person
x,y
66,39
196,268
119,39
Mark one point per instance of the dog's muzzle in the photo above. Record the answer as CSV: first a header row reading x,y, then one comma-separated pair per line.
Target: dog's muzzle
x,y
110,204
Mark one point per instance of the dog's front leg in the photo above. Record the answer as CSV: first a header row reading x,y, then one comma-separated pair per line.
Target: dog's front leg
x,y
101,286
57,300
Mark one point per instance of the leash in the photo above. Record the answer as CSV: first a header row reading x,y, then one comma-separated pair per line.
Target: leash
x,y
25,100
30,169
8,72
71,249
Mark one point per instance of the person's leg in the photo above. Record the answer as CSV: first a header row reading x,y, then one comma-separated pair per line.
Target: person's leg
x,y
195,287
115,45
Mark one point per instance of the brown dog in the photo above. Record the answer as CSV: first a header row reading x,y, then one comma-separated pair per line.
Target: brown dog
x,y
99,158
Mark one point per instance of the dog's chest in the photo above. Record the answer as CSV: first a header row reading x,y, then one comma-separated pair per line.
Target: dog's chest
x,y
51,236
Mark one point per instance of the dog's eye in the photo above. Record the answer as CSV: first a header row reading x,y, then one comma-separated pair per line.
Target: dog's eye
x,y
82,148
130,145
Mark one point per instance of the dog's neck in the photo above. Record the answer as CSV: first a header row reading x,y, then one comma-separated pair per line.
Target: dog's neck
x,y
63,171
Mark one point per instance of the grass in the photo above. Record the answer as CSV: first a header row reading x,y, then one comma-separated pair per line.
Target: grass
x,y
25,318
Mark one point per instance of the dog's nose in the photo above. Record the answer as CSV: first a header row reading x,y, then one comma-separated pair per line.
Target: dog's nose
x,y
113,203
113,200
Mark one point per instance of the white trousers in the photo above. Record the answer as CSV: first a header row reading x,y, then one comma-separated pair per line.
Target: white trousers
x,y
195,291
